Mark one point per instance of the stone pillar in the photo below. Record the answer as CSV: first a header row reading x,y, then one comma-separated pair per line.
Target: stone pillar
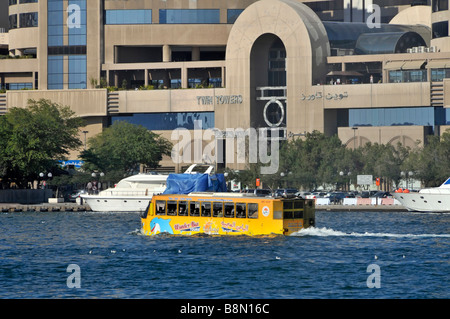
x,y
167,53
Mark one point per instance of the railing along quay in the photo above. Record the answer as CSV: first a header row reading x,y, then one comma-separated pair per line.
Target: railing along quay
x,y
45,207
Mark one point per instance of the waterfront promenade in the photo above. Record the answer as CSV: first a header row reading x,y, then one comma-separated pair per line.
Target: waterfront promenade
x,y
67,206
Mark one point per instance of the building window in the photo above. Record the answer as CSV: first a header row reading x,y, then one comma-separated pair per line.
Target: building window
x,y
168,121
233,14
392,116
189,16
19,86
440,29
29,19
277,64
67,27
128,16
395,76
12,2
406,76
13,21
55,72
28,1
439,5
77,72
438,75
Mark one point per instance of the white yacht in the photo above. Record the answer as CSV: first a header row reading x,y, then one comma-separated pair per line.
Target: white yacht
x,y
435,199
132,194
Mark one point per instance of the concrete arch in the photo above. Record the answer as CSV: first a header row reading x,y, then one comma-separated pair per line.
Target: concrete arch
x,y
357,141
403,139
304,38
298,27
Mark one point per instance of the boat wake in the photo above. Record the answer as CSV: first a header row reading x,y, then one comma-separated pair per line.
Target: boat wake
x,y
327,232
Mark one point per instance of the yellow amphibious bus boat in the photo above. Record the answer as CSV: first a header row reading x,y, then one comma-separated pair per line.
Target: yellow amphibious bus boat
x,y
226,214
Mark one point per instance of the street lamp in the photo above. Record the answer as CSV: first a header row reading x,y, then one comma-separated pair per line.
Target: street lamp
x,y
341,173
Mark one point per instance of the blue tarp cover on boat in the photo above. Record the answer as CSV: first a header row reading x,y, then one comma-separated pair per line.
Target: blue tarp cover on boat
x,y
187,183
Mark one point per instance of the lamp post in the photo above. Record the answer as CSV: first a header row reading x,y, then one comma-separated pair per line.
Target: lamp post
x,y
354,137
85,132
341,173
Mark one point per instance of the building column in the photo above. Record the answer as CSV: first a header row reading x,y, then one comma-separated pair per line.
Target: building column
x,y
167,53
145,77
196,54
116,78
223,76
184,77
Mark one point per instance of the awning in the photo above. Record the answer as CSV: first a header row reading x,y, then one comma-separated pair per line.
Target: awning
x,y
344,73
394,65
438,64
413,65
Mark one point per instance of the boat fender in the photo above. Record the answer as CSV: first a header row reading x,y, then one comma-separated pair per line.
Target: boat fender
x,y
406,190
399,190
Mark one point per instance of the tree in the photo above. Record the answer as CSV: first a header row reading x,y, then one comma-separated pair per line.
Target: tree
x,y
123,147
32,139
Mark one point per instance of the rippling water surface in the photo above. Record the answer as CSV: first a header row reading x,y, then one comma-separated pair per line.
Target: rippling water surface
x,y
410,250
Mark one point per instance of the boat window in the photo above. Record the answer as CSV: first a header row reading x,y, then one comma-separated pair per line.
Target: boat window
x,y
194,208
217,209
253,210
287,204
288,214
298,213
240,210
171,208
182,208
206,209
229,210
160,207
298,204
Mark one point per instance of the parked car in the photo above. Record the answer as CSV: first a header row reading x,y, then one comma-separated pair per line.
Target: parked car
x,y
286,192
338,197
258,192
74,195
382,194
302,194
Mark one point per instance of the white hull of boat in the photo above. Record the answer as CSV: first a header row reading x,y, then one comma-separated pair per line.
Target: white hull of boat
x,y
424,202
117,203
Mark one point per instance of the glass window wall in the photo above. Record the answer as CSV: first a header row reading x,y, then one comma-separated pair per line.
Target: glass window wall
x,y
438,75
189,16
55,64
233,14
439,5
168,121
439,29
128,16
13,21
67,28
393,116
19,86
28,20
405,76
77,72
